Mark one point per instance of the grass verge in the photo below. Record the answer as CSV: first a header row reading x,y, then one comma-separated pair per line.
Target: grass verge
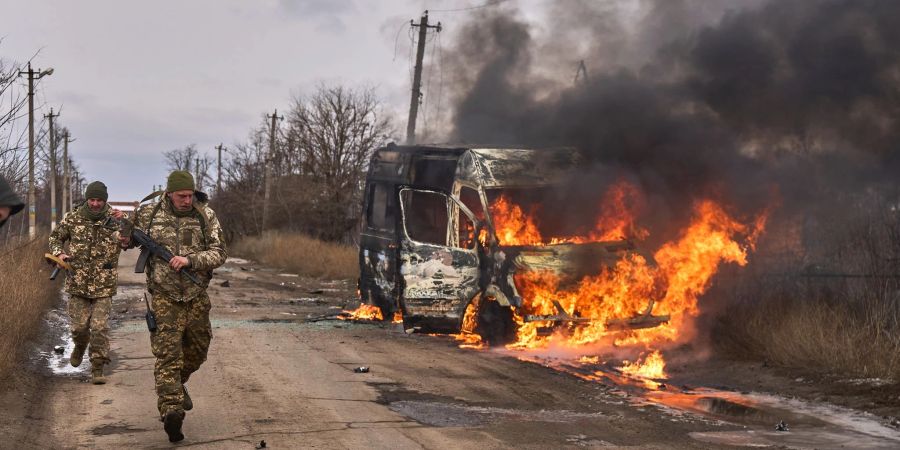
x,y
301,254
25,296
843,327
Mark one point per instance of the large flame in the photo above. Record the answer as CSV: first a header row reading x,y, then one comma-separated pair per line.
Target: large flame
x,y
683,272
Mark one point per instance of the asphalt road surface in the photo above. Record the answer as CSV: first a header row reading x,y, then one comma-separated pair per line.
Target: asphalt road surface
x,y
274,375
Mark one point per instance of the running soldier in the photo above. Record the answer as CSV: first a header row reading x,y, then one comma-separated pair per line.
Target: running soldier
x,y
94,256
183,223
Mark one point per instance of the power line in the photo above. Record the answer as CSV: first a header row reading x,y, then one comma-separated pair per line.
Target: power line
x,y
397,39
470,8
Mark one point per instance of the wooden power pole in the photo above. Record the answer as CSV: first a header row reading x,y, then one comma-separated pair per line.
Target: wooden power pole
x,y
417,76
52,169
32,75
219,171
270,160
67,181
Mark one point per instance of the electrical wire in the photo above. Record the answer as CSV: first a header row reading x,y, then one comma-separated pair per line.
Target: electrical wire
x,y
397,38
470,8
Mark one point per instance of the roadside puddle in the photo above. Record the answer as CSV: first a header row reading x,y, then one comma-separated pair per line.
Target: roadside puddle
x,y
58,363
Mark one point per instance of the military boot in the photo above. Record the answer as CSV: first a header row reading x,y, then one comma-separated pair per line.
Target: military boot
x,y
172,424
187,404
97,375
77,355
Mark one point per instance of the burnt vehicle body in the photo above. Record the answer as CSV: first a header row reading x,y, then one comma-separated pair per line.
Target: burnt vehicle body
x,y
429,247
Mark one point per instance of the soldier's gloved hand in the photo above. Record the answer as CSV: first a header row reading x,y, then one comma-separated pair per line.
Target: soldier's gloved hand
x,y
124,241
179,262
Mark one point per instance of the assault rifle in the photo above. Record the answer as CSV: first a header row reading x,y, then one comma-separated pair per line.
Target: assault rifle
x,y
150,247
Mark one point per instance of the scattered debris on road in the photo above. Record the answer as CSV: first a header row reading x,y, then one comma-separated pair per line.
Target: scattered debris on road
x,y
361,369
59,349
782,426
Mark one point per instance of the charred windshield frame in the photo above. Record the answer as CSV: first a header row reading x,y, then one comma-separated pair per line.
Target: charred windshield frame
x,y
453,206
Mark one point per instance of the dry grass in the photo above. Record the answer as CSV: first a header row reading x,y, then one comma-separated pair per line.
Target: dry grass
x,y
25,296
301,254
834,337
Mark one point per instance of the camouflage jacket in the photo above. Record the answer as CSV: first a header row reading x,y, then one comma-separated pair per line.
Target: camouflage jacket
x,y
93,253
198,237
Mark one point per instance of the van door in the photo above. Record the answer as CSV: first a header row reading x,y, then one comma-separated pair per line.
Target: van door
x,y
438,257
378,248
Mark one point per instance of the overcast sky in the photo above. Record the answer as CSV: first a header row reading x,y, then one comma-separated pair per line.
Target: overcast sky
x,y
137,78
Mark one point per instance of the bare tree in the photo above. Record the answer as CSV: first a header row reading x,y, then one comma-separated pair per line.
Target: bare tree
x,y
320,159
331,135
13,104
334,132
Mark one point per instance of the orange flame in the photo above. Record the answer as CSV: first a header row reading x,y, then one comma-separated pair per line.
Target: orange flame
x,y
619,209
467,336
512,225
364,312
683,272
653,367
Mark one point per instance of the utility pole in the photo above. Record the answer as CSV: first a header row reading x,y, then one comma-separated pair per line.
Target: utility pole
x,y
67,181
32,75
219,171
417,76
52,169
270,160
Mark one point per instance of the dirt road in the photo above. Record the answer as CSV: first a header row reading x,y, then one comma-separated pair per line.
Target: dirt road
x,y
275,376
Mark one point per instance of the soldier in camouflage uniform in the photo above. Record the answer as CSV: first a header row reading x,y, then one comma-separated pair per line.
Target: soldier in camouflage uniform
x,y
183,223
10,203
94,255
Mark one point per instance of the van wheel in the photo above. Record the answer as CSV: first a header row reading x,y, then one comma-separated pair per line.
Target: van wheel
x,y
495,323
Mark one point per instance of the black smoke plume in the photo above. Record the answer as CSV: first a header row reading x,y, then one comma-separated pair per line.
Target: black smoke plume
x,y
744,101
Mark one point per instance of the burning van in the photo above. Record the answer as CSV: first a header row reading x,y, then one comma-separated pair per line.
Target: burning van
x,y
438,248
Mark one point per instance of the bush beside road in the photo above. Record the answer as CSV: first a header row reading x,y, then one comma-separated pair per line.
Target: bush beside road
x,y
300,254
25,296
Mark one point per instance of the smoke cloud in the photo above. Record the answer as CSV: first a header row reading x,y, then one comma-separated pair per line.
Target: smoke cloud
x,y
692,99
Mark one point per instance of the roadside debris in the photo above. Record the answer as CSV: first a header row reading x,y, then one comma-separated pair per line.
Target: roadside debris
x,y
781,426
262,444
317,291
225,283
361,369
59,349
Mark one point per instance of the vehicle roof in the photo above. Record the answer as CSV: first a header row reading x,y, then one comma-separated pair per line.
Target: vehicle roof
x,y
490,166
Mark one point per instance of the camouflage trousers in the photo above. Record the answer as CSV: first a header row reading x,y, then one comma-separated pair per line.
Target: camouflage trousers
x,y
90,325
179,344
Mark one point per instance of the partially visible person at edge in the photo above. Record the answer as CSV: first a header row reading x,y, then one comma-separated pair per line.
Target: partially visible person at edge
x,y
183,223
10,203
93,254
